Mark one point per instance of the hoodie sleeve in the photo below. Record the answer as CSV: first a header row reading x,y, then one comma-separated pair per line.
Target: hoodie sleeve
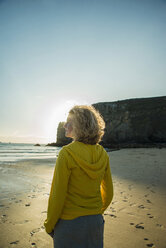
x,y
107,188
58,191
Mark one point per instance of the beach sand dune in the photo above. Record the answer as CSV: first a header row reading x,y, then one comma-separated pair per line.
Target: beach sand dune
x,y
136,217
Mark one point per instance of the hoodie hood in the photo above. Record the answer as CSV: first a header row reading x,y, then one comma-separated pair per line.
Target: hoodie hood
x,y
92,159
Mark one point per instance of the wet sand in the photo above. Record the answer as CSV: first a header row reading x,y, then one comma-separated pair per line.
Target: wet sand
x,y
136,217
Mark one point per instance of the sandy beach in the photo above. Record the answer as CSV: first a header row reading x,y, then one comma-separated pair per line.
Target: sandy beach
x,y
136,217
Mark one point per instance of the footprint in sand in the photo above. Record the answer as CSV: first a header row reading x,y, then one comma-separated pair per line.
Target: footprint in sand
x,y
141,206
150,216
148,201
27,204
140,226
132,214
112,215
34,231
112,209
153,191
160,225
14,242
32,196
4,215
34,245
25,221
22,222
150,245
43,212
18,201
4,218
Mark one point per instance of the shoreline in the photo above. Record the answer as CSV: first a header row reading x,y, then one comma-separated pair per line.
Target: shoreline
x,y
135,218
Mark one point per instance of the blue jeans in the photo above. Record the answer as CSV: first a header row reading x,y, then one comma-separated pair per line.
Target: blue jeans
x,y
82,232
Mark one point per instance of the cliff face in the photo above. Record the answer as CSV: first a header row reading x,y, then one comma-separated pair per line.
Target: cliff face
x,y
130,122
134,121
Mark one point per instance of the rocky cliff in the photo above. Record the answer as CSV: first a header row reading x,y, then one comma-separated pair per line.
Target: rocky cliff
x,y
134,122
130,123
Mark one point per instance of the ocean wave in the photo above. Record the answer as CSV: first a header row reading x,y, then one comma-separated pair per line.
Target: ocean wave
x,y
16,152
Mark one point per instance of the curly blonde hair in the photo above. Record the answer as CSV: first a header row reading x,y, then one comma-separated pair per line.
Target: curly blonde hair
x,y
88,124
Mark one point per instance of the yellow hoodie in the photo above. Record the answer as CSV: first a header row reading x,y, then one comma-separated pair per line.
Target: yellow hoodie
x,y
81,185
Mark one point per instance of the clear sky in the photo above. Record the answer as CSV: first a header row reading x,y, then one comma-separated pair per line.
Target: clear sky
x,y
56,53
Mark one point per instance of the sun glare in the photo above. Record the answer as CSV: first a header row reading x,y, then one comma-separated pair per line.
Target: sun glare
x,y
45,123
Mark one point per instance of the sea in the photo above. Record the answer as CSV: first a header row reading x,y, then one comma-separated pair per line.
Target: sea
x,y
14,152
